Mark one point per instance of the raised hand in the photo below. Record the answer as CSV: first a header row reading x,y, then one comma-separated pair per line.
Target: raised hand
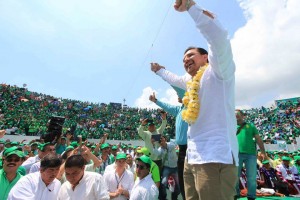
x,y
152,97
156,67
2,133
183,5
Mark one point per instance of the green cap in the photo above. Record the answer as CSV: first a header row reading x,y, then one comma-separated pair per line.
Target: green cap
x,y
13,151
150,122
14,143
265,162
74,144
144,151
69,148
121,156
285,158
42,146
104,145
2,141
145,159
296,158
114,147
93,146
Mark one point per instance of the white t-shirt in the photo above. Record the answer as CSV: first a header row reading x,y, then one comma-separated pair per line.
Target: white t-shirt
x,y
90,187
32,187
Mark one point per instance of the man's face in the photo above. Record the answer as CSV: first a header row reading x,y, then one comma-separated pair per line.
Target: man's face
x,y
11,163
239,117
286,162
129,159
163,140
193,60
74,174
49,174
268,166
63,141
141,169
105,151
47,149
121,163
114,152
151,128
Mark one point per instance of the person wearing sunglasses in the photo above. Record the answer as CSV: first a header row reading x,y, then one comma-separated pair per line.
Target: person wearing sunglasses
x,y
144,186
9,175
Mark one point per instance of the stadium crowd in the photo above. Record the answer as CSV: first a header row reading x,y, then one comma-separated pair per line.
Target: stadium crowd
x,y
27,113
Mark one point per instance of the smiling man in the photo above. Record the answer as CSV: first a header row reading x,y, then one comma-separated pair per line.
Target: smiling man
x,y
39,185
210,170
9,175
144,187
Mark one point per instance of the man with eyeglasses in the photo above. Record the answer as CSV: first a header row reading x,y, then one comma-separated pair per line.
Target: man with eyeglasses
x,y
144,187
43,150
120,180
39,185
9,175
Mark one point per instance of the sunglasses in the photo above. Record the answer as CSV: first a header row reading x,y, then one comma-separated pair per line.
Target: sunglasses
x,y
12,160
141,167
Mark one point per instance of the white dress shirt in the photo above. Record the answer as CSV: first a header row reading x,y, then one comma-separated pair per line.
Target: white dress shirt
x,y
212,138
90,187
32,187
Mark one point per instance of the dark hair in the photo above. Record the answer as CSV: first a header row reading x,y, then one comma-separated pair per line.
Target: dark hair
x,y
50,161
44,147
75,161
200,50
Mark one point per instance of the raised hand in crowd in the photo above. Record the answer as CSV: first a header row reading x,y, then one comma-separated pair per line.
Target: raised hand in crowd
x,y
2,133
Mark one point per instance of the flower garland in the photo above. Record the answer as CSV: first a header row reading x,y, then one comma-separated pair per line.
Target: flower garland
x,y
191,100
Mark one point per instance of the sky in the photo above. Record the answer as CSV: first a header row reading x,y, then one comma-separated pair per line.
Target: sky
x,y
100,51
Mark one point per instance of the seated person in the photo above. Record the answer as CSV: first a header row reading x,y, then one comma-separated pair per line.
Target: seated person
x,y
269,179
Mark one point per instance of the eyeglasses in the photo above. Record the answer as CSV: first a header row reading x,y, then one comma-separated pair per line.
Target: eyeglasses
x,y
141,167
12,160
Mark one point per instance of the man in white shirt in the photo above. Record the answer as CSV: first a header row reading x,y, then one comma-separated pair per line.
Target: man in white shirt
x,y
43,150
39,185
210,170
289,174
80,183
144,187
120,180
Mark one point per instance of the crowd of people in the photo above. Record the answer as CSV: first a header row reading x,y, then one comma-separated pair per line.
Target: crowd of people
x,y
27,113
280,122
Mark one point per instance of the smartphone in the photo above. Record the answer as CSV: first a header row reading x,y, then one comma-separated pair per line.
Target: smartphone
x,y
156,137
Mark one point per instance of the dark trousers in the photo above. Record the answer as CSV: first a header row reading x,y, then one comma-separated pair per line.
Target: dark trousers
x,y
180,165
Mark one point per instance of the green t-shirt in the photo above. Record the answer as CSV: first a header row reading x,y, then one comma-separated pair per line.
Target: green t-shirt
x,y
154,170
6,185
246,140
